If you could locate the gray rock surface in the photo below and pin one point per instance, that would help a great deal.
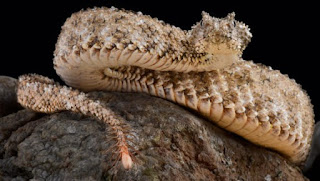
(312, 165)
(173, 144)
(8, 100)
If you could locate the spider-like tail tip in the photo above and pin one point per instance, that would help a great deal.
(126, 160)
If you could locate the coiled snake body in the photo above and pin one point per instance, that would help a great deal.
(118, 50)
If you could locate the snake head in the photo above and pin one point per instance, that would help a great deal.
(221, 39)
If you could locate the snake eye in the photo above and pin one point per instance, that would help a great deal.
(201, 23)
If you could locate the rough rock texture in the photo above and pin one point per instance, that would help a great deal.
(8, 98)
(312, 165)
(173, 144)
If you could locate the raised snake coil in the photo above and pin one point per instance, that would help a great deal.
(117, 50)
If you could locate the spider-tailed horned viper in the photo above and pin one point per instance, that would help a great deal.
(202, 69)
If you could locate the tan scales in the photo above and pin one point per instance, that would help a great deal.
(117, 50)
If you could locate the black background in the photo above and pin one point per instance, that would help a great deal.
(285, 35)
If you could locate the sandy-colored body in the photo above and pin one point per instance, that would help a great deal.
(202, 69)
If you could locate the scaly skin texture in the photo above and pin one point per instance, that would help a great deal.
(211, 44)
(117, 50)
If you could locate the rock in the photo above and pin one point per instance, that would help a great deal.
(8, 98)
(173, 144)
(312, 165)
